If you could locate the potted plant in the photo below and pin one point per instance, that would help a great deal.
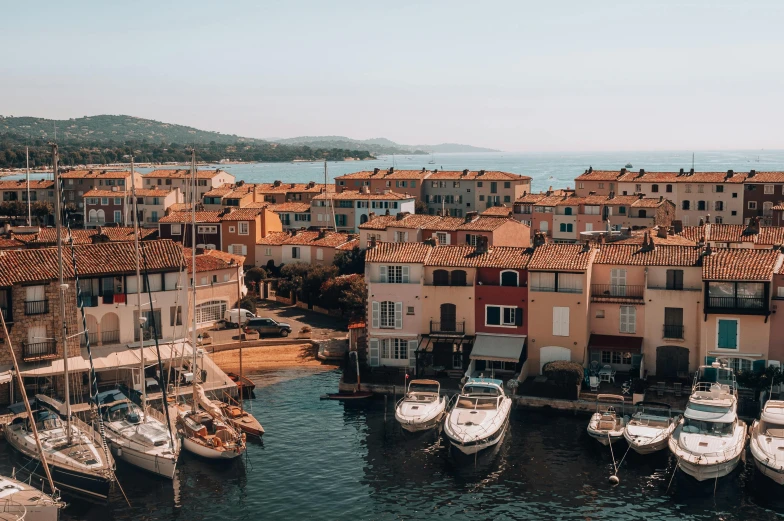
(638, 390)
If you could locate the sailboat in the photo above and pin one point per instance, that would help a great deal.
(432, 160)
(74, 452)
(202, 427)
(138, 435)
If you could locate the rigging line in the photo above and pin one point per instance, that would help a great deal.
(157, 346)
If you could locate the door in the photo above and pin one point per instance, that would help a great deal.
(672, 361)
(448, 317)
(617, 282)
(553, 353)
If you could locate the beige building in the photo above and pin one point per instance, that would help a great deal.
(460, 192)
(169, 179)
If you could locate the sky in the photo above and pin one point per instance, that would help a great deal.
(529, 76)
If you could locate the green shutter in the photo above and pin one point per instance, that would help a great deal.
(759, 366)
(728, 334)
(709, 360)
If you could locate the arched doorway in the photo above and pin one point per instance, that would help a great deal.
(553, 353)
(672, 361)
(110, 328)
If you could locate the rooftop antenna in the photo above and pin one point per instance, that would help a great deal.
(27, 175)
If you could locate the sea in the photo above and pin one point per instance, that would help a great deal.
(336, 461)
(547, 169)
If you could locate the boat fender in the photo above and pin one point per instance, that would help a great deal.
(217, 443)
(119, 452)
(244, 437)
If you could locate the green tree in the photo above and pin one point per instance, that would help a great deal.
(420, 207)
(353, 299)
(247, 302)
(41, 211)
(350, 262)
(253, 277)
(316, 276)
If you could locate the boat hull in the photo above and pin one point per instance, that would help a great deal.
(603, 438)
(712, 471)
(207, 452)
(776, 474)
(32, 512)
(469, 449)
(415, 426)
(156, 464)
(647, 448)
(252, 427)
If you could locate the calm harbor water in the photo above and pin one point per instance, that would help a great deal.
(329, 460)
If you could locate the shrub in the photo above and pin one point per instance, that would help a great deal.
(563, 373)
(248, 303)
(253, 277)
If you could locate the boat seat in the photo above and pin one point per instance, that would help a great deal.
(607, 425)
(776, 433)
(465, 404)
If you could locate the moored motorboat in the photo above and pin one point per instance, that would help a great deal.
(422, 408)
(21, 501)
(479, 417)
(710, 438)
(245, 385)
(607, 425)
(650, 427)
(767, 441)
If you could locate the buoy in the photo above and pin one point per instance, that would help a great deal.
(614, 479)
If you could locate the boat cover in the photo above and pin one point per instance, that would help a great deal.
(492, 381)
(498, 348)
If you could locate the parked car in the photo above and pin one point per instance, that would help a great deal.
(234, 318)
(267, 326)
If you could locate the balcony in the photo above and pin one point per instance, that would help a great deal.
(93, 339)
(447, 328)
(740, 305)
(39, 350)
(599, 292)
(110, 337)
(6, 314)
(36, 307)
(96, 221)
(673, 331)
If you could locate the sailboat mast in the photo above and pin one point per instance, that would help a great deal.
(63, 287)
(193, 269)
(142, 319)
(239, 320)
(27, 175)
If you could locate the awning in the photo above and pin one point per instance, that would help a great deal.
(75, 364)
(498, 348)
(113, 357)
(633, 344)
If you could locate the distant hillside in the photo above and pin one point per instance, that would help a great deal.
(379, 146)
(117, 129)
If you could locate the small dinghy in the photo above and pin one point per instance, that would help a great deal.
(422, 408)
(767, 441)
(650, 427)
(606, 425)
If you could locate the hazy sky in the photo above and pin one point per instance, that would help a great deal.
(518, 75)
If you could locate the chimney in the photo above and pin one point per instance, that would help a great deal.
(322, 233)
(691, 171)
(540, 239)
(481, 172)
(730, 173)
(481, 245)
(642, 171)
(375, 171)
(438, 212)
(611, 196)
(752, 173)
(364, 189)
(677, 225)
(753, 228)
(311, 184)
(391, 170)
(200, 251)
(623, 171)
(277, 183)
(586, 247)
(681, 172)
(661, 198)
(465, 172)
(590, 169)
(471, 216)
(402, 215)
(423, 170)
(371, 216)
(661, 232)
(435, 170)
(707, 219)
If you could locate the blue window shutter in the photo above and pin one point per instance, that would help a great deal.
(709, 360)
(759, 366)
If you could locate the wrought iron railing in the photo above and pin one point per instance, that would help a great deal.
(36, 307)
(673, 331)
(110, 337)
(617, 290)
(37, 350)
(736, 302)
(452, 327)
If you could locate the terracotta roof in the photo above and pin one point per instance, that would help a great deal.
(551, 200)
(740, 264)
(445, 224)
(488, 224)
(730, 233)
(598, 175)
(183, 173)
(498, 211)
(409, 221)
(468, 257)
(350, 245)
(399, 252)
(634, 255)
(37, 184)
(778, 207)
(39, 265)
(48, 236)
(650, 202)
(331, 240)
(357, 195)
(771, 235)
(211, 260)
(186, 217)
(765, 177)
(671, 240)
(280, 187)
(10, 243)
(385, 174)
(92, 174)
(179, 207)
(290, 207)
(561, 257)
(140, 192)
(530, 198)
(219, 191)
(274, 238)
(242, 214)
(632, 176)
(473, 175)
(693, 233)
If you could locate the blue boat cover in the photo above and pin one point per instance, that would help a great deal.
(485, 381)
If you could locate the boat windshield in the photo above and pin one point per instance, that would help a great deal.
(709, 428)
(477, 402)
(481, 390)
(47, 420)
(774, 430)
(422, 388)
(124, 411)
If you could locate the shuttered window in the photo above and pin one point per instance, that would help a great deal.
(728, 334)
(628, 319)
(560, 321)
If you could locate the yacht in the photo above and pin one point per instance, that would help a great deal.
(205, 432)
(138, 437)
(422, 408)
(767, 441)
(606, 425)
(709, 439)
(478, 419)
(650, 427)
(21, 501)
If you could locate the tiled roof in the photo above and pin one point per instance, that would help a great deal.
(242, 214)
(179, 207)
(498, 211)
(357, 195)
(91, 174)
(219, 191)
(740, 264)
(686, 177)
(409, 221)
(274, 238)
(47, 236)
(598, 175)
(771, 235)
(183, 173)
(635, 255)
(530, 198)
(140, 192)
(650, 202)
(331, 240)
(350, 245)
(186, 217)
(487, 224)
(445, 224)
(731, 233)
(39, 265)
(402, 252)
(473, 175)
(279, 187)
(765, 177)
(290, 207)
(552, 200)
(671, 240)
(385, 174)
(10, 243)
(211, 260)
(468, 257)
(693, 233)
(561, 257)
(37, 184)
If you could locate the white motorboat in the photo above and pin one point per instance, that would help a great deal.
(422, 408)
(710, 438)
(767, 441)
(480, 415)
(138, 437)
(606, 425)
(650, 427)
(21, 501)
(205, 432)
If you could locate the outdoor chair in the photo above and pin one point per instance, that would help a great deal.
(594, 383)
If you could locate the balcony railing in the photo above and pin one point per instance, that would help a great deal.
(739, 303)
(36, 307)
(96, 221)
(5, 313)
(39, 350)
(673, 331)
(452, 328)
(617, 291)
(110, 337)
(93, 339)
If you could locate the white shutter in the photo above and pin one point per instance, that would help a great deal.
(382, 272)
(565, 321)
(35, 293)
(556, 321)
(405, 274)
(405, 236)
(244, 249)
(375, 312)
(412, 347)
(171, 280)
(560, 321)
(374, 354)
(130, 285)
(398, 315)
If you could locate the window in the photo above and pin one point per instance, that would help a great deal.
(441, 278)
(207, 229)
(688, 189)
(268, 252)
(668, 188)
(701, 205)
(394, 274)
(642, 214)
(442, 237)
(458, 278)
(118, 201)
(471, 239)
(566, 227)
(388, 314)
(232, 229)
(509, 278)
(675, 279)
(481, 197)
(507, 199)
(176, 229)
(628, 319)
(479, 184)
(741, 364)
(507, 184)
(601, 185)
(700, 188)
(394, 348)
(401, 236)
(673, 323)
(686, 204)
(319, 254)
(542, 281)
(568, 210)
(243, 228)
(638, 188)
(117, 216)
(152, 326)
(455, 184)
(560, 321)
(238, 249)
(295, 252)
(768, 189)
(503, 316)
(599, 313)
(409, 310)
(767, 208)
(621, 210)
(569, 283)
(175, 316)
(727, 333)
(734, 196)
(493, 187)
(592, 210)
(654, 188)
(340, 220)
(718, 206)
(752, 205)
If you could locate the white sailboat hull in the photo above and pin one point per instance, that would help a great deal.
(206, 452)
(157, 464)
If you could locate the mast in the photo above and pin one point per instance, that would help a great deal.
(329, 198)
(239, 320)
(63, 287)
(27, 175)
(193, 269)
(142, 320)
